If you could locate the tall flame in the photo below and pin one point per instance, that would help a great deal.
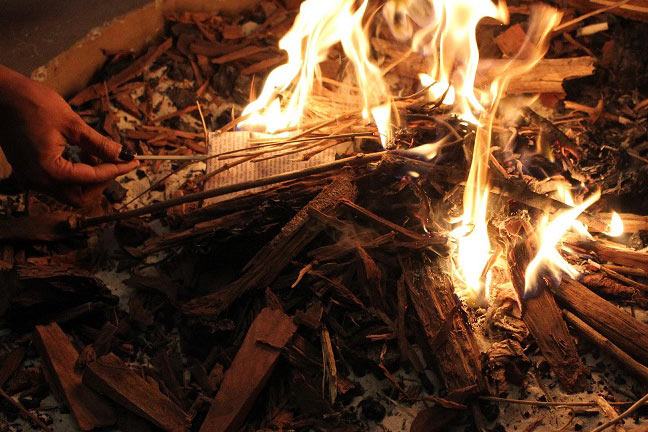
(473, 248)
(318, 27)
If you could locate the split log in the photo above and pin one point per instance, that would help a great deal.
(113, 378)
(631, 222)
(449, 335)
(625, 257)
(266, 265)
(59, 357)
(606, 345)
(546, 76)
(254, 362)
(547, 325)
(612, 322)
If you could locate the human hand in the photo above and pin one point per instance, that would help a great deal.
(36, 125)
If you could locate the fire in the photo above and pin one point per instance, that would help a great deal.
(448, 37)
(444, 31)
(473, 248)
(319, 26)
(615, 228)
(548, 263)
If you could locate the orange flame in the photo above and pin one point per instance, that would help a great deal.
(318, 27)
(473, 245)
(548, 263)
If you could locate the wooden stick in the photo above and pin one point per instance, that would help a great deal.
(360, 159)
(612, 322)
(172, 157)
(541, 403)
(606, 345)
(623, 415)
(23, 412)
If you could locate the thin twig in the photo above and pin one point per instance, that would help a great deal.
(623, 415)
(589, 14)
(26, 414)
(541, 403)
(360, 159)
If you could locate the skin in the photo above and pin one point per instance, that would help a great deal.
(36, 126)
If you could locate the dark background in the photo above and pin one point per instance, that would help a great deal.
(34, 31)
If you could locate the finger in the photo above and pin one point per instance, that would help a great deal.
(64, 171)
(89, 159)
(101, 146)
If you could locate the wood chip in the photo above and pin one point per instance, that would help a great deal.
(59, 358)
(254, 362)
(113, 378)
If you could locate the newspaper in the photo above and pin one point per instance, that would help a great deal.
(225, 142)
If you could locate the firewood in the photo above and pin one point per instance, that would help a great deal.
(266, 265)
(546, 76)
(254, 362)
(113, 378)
(448, 334)
(631, 222)
(59, 358)
(622, 256)
(604, 343)
(617, 325)
(547, 325)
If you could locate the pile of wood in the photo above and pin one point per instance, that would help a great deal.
(328, 300)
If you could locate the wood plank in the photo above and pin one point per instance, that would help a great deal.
(612, 322)
(59, 357)
(10, 364)
(266, 265)
(250, 371)
(110, 376)
(546, 323)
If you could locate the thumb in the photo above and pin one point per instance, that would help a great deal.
(102, 147)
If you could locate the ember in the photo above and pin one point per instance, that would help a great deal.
(350, 215)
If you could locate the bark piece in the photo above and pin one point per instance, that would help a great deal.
(449, 335)
(59, 357)
(268, 335)
(547, 325)
(266, 265)
(612, 322)
(110, 376)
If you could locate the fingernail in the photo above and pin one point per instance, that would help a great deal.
(126, 154)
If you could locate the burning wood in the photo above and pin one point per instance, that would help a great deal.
(404, 260)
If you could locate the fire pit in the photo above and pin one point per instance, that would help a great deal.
(351, 215)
